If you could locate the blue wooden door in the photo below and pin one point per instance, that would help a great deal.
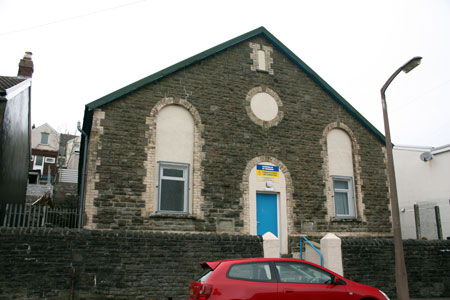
(267, 214)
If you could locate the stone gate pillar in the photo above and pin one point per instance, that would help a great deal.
(330, 246)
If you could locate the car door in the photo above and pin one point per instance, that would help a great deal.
(299, 280)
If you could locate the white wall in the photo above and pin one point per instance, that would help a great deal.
(422, 183)
(73, 152)
(340, 160)
(53, 139)
(175, 135)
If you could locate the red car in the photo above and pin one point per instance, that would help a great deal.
(275, 279)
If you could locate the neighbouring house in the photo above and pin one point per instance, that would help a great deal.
(72, 156)
(69, 155)
(422, 175)
(241, 138)
(15, 114)
(44, 151)
(62, 155)
(54, 167)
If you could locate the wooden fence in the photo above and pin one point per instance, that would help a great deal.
(20, 215)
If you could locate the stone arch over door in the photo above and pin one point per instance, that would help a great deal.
(284, 190)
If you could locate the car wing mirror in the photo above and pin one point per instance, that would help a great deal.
(338, 281)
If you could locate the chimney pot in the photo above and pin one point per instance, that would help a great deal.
(26, 66)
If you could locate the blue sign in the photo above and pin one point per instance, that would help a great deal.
(268, 168)
(268, 171)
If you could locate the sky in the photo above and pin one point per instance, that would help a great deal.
(85, 49)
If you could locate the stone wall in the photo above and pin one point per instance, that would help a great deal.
(121, 171)
(82, 264)
(65, 195)
(372, 262)
(55, 264)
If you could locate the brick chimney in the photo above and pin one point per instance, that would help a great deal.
(26, 66)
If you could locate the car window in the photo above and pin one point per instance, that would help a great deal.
(296, 272)
(203, 275)
(259, 271)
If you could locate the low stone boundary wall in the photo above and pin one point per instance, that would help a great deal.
(372, 262)
(52, 263)
(42, 263)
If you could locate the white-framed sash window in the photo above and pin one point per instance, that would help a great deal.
(343, 195)
(173, 187)
(50, 160)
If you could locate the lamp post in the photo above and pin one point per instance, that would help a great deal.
(401, 277)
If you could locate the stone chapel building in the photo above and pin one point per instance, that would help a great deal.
(241, 138)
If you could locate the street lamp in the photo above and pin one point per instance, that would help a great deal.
(401, 276)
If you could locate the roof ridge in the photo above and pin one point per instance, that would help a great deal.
(202, 55)
(173, 68)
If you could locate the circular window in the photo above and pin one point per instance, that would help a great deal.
(263, 106)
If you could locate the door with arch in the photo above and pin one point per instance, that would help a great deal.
(267, 213)
(265, 206)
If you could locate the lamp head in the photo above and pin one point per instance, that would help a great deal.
(414, 62)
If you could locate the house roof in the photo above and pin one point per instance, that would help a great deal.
(7, 82)
(205, 54)
(46, 126)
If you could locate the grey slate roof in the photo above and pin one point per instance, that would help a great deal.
(7, 82)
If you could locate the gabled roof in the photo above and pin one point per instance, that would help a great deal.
(201, 56)
(9, 85)
(47, 126)
(7, 82)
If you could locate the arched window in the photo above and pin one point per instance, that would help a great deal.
(174, 159)
(340, 167)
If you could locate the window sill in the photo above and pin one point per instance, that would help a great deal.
(346, 220)
(165, 215)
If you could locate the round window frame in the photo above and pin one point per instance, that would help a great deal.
(248, 100)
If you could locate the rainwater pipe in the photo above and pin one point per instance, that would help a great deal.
(83, 176)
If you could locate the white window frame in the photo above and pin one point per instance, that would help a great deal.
(174, 166)
(50, 160)
(350, 197)
(36, 162)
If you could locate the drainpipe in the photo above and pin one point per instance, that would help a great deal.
(83, 176)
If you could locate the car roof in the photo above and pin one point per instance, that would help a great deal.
(213, 264)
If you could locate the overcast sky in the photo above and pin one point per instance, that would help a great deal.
(85, 49)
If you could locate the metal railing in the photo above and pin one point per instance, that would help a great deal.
(312, 246)
(20, 215)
